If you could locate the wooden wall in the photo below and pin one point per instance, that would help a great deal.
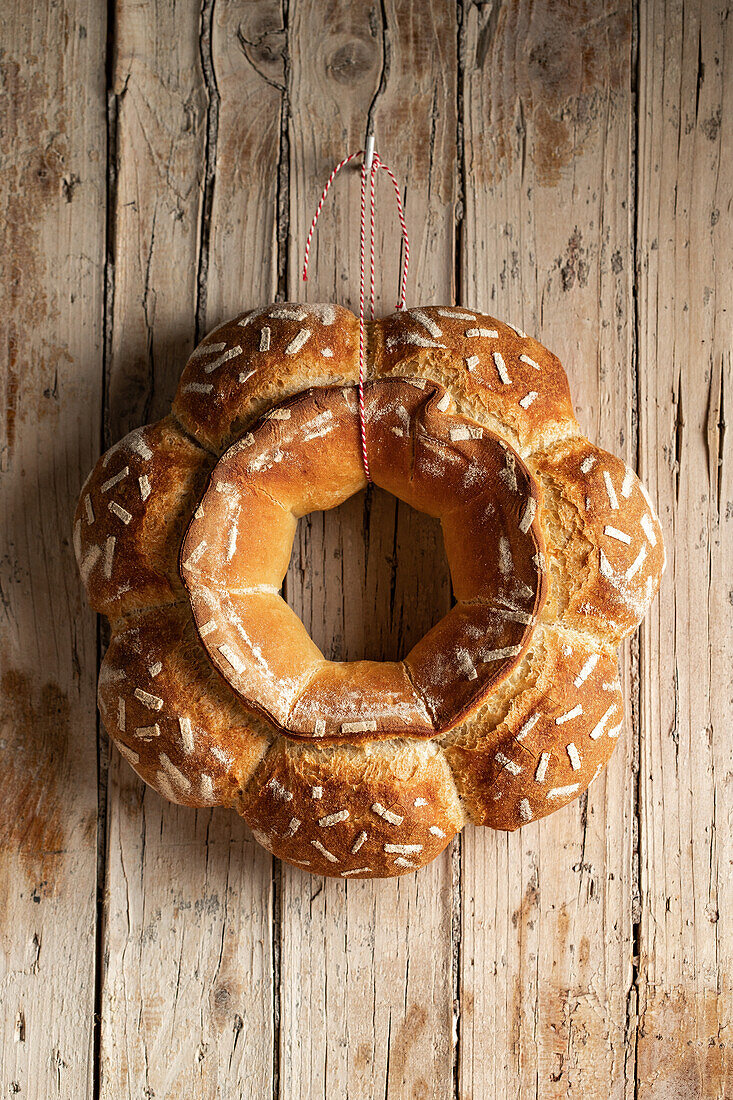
(568, 166)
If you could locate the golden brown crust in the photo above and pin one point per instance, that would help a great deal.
(604, 543)
(368, 811)
(131, 516)
(305, 454)
(560, 730)
(555, 554)
(247, 364)
(172, 716)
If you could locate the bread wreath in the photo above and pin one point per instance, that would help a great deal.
(211, 687)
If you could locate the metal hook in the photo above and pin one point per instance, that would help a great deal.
(369, 153)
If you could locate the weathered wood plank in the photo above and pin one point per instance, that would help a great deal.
(546, 948)
(686, 381)
(52, 190)
(187, 1001)
(367, 997)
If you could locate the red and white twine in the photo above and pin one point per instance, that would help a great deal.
(368, 177)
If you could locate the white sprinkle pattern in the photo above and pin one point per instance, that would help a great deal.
(360, 840)
(487, 333)
(501, 368)
(265, 339)
(507, 764)
(298, 342)
(391, 818)
(586, 670)
(541, 771)
(233, 659)
(107, 485)
(563, 792)
(402, 849)
(528, 515)
(610, 491)
(569, 715)
(231, 353)
(333, 819)
(525, 810)
(184, 725)
(648, 528)
(120, 512)
(530, 362)
(614, 533)
(528, 398)
(324, 851)
(574, 755)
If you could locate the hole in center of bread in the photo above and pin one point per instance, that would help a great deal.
(369, 578)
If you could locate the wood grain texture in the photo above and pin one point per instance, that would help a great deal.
(547, 911)
(52, 193)
(187, 1001)
(565, 166)
(686, 382)
(370, 578)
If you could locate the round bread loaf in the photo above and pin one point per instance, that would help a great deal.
(211, 687)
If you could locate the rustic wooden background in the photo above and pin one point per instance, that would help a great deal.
(567, 165)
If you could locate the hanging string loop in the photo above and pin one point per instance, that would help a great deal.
(371, 164)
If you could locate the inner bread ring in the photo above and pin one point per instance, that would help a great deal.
(305, 456)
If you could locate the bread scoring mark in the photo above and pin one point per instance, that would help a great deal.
(486, 333)
(487, 655)
(333, 819)
(279, 790)
(508, 765)
(186, 731)
(265, 339)
(325, 852)
(574, 755)
(174, 773)
(466, 665)
(298, 342)
(562, 792)
(520, 334)
(231, 545)
(316, 792)
(614, 533)
(628, 483)
(121, 513)
(207, 349)
(437, 832)
(288, 313)
(568, 716)
(137, 444)
(390, 817)
(506, 565)
(444, 402)
(636, 564)
(525, 810)
(195, 556)
(412, 338)
(109, 554)
(530, 362)
(528, 514)
(198, 387)
(366, 726)
(610, 491)
(147, 733)
(232, 658)
(144, 483)
(528, 725)
(120, 714)
(231, 353)
(207, 628)
(155, 668)
(153, 702)
(279, 414)
(360, 840)
(88, 562)
(456, 314)
(648, 529)
(586, 670)
(403, 849)
(528, 398)
(501, 367)
(112, 481)
(541, 772)
(514, 615)
(466, 431)
(128, 753)
(472, 361)
(587, 464)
